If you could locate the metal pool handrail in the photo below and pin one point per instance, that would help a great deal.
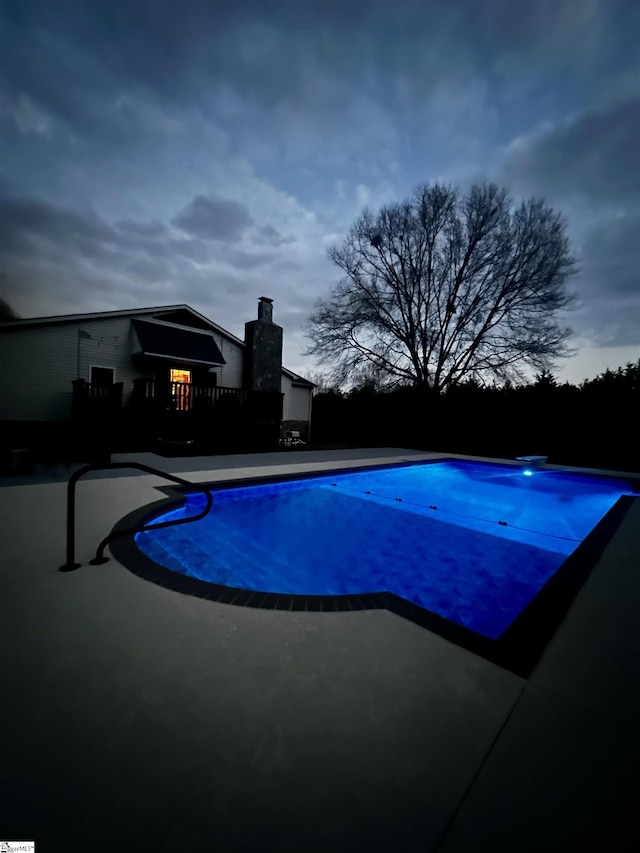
(99, 559)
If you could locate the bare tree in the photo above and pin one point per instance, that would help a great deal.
(322, 382)
(446, 287)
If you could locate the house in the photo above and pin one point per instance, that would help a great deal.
(149, 375)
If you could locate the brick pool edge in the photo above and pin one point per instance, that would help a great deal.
(517, 650)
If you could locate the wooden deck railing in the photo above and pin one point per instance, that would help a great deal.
(157, 398)
(89, 397)
(183, 396)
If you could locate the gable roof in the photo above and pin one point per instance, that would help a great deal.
(298, 380)
(160, 312)
(204, 322)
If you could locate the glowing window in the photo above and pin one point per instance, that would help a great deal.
(178, 374)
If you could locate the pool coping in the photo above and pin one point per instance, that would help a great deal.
(519, 647)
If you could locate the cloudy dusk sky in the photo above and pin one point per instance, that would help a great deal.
(209, 152)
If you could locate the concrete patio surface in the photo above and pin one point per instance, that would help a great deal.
(136, 718)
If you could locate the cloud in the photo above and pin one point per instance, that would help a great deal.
(609, 289)
(213, 219)
(587, 165)
(269, 234)
(604, 323)
(314, 57)
(143, 229)
(593, 156)
(28, 224)
(204, 150)
(347, 87)
(612, 254)
(57, 259)
(40, 232)
(240, 259)
(26, 117)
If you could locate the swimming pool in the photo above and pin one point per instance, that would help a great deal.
(472, 543)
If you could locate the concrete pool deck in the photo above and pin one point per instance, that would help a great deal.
(137, 718)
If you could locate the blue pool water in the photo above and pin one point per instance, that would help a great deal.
(472, 542)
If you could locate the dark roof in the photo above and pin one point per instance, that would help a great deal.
(174, 313)
(298, 380)
(91, 315)
(186, 345)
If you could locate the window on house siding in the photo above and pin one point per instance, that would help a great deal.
(177, 374)
(180, 388)
(103, 376)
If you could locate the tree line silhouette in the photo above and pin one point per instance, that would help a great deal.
(594, 424)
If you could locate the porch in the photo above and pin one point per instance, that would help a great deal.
(151, 393)
(95, 398)
(185, 396)
(166, 411)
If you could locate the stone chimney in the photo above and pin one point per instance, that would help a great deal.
(263, 350)
(265, 309)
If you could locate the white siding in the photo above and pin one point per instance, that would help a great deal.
(300, 404)
(40, 364)
(36, 364)
(285, 387)
(296, 405)
(229, 374)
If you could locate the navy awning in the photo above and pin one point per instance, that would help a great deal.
(184, 345)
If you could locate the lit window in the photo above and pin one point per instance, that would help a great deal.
(178, 374)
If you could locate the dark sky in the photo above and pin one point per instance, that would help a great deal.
(206, 152)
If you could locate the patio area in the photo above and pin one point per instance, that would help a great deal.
(137, 718)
